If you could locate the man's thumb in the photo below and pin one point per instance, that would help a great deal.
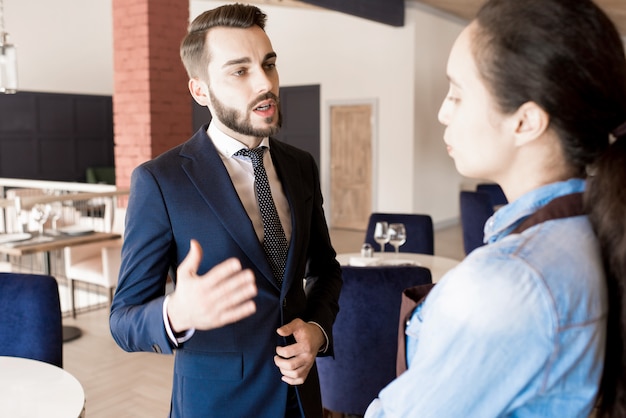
(285, 330)
(189, 266)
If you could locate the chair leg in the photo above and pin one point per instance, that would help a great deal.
(72, 301)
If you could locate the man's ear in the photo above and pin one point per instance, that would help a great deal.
(531, 123)
(199, 91)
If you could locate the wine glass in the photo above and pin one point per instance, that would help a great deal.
(397, 236)
(56, 209)
(381, 234)
(23, 218)
(40, 213)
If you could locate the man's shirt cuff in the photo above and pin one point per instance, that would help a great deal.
(180, 337)
(325, 346)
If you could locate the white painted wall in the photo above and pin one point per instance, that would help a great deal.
(63, 46)
(66, 46)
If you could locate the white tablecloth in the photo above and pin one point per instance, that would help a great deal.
(437, 265)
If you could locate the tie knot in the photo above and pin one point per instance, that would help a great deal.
(255, 154)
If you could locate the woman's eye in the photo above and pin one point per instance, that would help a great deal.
(452, 98)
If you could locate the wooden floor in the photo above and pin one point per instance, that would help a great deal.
(127, 385)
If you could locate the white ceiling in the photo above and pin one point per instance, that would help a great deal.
(466, 9)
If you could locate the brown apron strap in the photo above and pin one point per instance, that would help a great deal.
(411, 297)
(560, 207)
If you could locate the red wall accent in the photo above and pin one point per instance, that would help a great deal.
(151, 103)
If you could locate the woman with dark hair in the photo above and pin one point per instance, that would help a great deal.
(530, 324)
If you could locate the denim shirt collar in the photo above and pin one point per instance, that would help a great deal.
(508, 217)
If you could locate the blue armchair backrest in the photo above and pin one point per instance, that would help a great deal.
(365, 335)
(30, 318)
(476, 208)
(419, 232)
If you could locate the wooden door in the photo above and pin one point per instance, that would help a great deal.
(351, 133)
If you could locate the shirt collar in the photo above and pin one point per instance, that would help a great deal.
(227, 145)
(508, 217)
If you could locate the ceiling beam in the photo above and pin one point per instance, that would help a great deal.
(466, 9)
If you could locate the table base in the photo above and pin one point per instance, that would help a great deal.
(71, 333)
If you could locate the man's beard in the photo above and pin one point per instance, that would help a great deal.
(234, 120)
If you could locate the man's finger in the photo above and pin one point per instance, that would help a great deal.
(225, 269)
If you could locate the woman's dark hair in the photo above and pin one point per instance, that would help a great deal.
(567, 57)
(193, 51)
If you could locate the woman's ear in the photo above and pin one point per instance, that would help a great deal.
(531, 123)
(199, 91)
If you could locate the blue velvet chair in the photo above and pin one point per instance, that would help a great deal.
(419, 232)
(365, 335)
(476, 208)
(495, 192)
(30, 318)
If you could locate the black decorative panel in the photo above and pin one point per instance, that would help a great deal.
(17, 113)
(19, 157)
(390, 12)
(57, 156)
(56, 114)
(50, 136)
(93, 115)
(300, 107)
(91, 152)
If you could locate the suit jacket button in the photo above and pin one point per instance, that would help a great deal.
(285, 303)
(156, 348)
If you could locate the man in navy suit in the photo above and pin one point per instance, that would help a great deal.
(245, 342)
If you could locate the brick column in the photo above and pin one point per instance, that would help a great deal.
(151, 103)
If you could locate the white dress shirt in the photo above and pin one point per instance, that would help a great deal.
(242, 175)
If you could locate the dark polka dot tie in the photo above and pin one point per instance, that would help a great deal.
(274, 240)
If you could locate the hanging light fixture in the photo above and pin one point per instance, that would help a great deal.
(8, 59)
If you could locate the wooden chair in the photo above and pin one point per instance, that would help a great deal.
(97, 263)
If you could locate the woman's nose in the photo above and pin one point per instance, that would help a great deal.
(444, 113)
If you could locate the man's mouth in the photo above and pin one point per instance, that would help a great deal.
(263, 108)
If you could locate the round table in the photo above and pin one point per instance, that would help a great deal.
(31, 388)
(437, 265)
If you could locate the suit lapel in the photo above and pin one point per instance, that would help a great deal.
(207, 172)
(288, 171)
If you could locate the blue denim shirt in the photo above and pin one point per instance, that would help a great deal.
(515, 330)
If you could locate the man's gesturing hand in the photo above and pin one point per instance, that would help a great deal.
(221, 296)
(295, 360)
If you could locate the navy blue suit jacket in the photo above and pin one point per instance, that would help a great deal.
(187, 193)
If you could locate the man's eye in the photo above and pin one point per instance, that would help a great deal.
(239, 73)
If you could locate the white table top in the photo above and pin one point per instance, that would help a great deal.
(34, 389)
(437, 265)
